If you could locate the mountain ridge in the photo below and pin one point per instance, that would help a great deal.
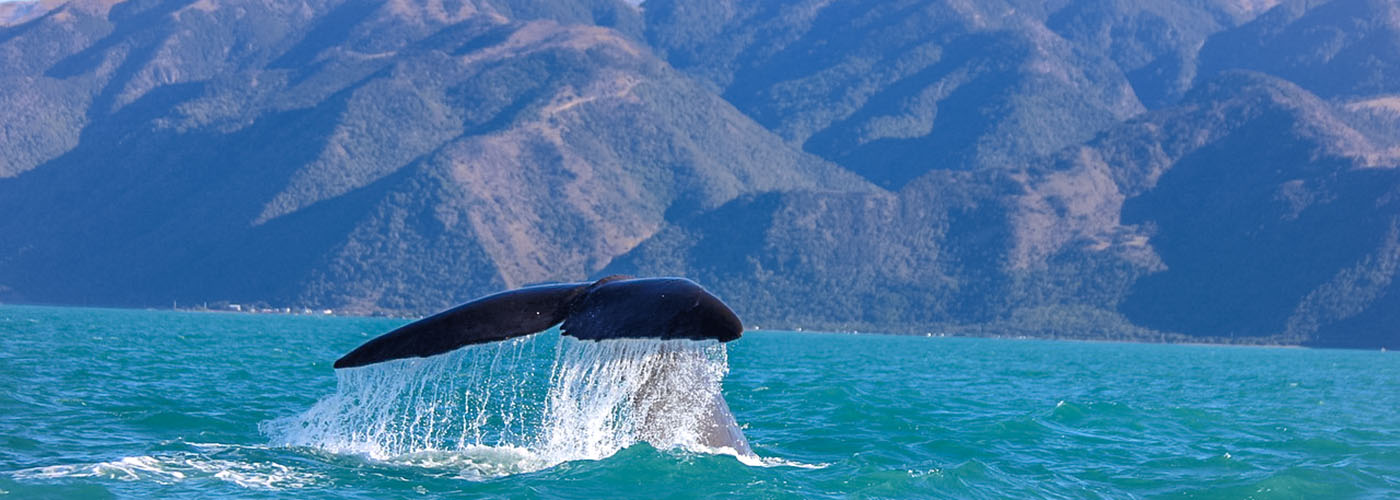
(1107, 170)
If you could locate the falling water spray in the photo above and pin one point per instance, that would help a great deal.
(541, 399)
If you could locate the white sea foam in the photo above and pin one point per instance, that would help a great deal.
(179, 467)
(504, 408)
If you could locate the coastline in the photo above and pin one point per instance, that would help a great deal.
(981, 331)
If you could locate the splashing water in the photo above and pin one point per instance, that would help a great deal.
(606, 395)
(503, 408)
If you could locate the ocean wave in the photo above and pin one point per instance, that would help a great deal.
(180, 467)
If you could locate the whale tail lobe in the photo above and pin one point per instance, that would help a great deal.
(488, 319)
(613, 307)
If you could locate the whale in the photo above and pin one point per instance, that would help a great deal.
(609, 309)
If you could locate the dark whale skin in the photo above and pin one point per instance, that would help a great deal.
(659, 308)
(611, 308)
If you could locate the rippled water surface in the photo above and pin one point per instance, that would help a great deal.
(98, 403)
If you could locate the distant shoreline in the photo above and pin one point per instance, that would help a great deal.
(1173, 339)
(1048, 339)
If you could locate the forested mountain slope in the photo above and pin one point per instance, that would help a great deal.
(1217, 170)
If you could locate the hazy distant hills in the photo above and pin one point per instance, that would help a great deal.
(1192, 169)
(467, 153)
(877, 85)
(1335, 49)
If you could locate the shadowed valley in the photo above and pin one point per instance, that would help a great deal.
(1182, 170)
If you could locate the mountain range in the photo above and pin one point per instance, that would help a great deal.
(1167, 170)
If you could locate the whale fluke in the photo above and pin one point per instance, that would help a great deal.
(488, 319)
(658, 308)
(613, 307)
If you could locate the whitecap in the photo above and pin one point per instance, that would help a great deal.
(179, 467)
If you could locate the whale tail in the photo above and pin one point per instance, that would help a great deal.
(613, 307)
(488, 319)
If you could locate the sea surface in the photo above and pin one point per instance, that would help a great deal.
(101, 403)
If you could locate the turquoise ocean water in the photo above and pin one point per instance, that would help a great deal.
(116, 403)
